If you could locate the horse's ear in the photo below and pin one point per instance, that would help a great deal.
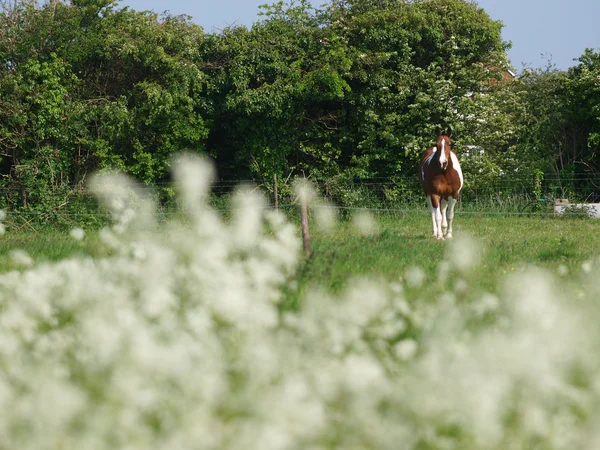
(439, 131)
(449, 132)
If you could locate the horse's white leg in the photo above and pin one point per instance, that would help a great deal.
(438, 219)
(443, 206)
(436, 216)
(433, 219)
(451, 203)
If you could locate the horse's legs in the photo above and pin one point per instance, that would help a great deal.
(432, 211)
(436, 216)
(444, 205)
(451, 203)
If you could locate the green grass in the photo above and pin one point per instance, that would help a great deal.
(403, 242)
(508, 244)
(47, 244)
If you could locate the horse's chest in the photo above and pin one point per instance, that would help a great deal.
(442, 185)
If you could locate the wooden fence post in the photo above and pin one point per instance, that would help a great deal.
(304, 217)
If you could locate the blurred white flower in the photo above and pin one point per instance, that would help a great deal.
(305, 190)
(406, 349)
(109, 239)
(246, 223)
(444, 269)
(461, 286)
(363, 373)
(21, 258)
(326, 216)
(177, 339)
(365, 223)
(487, 303)
(77, 233)
(464, 253)
(194, 176)
(415, 276)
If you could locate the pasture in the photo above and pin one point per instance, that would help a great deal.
(223, 329)
(507, 243)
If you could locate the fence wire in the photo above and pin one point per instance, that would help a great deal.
(390, 195)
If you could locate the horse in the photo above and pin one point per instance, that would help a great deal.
(441, 177)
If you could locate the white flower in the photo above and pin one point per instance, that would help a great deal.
(487, 303)
(406, 349)
(464, 253)
(415, 276)
(77, 233)
(326, 215)
(21, 258)
(365, 223)
(362, 373)
(178, 337)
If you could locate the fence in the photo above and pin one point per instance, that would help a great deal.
(394, 195)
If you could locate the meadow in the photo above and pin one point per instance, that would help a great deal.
(402, 241)
(398, 243)
(213, 333)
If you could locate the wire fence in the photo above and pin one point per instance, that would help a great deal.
(385, 195)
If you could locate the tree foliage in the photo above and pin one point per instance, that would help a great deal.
(354, 89)
(86, 85)
(562, 125)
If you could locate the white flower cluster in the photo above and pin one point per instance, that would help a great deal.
(178, 341)
(2, 219)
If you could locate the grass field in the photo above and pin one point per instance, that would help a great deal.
(505, 243)
(221, 329)
(402, 241)
(45, 245)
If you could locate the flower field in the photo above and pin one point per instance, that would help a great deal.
(207, 333)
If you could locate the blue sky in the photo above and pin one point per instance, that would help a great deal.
(540, 30)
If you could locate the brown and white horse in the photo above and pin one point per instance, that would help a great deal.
(442, 179)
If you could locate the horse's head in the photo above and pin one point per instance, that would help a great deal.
(443, 148)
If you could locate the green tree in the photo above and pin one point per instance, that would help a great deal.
(562, 125)
(413, 66)
(86, 86)
(356, 89)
